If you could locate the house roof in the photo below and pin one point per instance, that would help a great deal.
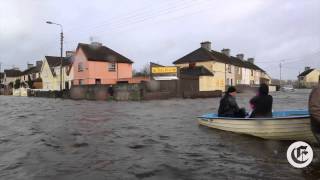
(55, 61)
(12, 72)
(34, 69)
(102, 53)
(306, 72)
(202, 55)
(195, 71)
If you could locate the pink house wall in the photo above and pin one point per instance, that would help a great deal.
(99, 70)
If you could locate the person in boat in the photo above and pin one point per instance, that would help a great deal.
(261, 104)
(314, 110)
(228, 105)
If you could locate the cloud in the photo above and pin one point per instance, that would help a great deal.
(163, 31)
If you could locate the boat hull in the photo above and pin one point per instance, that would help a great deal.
(274, 129)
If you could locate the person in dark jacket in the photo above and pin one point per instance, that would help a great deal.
(261, 104)
(314, 110)
(228, 105)
(110, 91)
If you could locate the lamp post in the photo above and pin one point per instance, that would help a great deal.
(61, 49)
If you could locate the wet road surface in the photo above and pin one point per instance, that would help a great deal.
(64, 139)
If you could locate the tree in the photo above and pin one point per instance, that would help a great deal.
(17, 84)
(145, 71)
(30, 82)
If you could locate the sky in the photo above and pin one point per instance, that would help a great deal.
(271, 31)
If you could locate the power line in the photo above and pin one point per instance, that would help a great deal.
(133, 14)
(137, 20)
(291, 60)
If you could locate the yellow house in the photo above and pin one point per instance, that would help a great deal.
(50, 73)
(226, 70)
(309, 78)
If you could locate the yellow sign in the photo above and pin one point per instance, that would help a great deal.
(164, 70)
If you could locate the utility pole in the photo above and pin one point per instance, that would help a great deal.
(280, 73)
(61, 49)
(61, 57)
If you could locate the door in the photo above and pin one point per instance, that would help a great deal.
(98, 81)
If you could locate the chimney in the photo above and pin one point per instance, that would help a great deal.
(69, 53)
(251, 60)
(39, 63)
(206, 45)
(307, 68)
(226, 52)
(240, 56)
(29, 65)
(95, 44)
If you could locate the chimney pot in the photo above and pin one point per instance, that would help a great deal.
(29, 65)
(226, 52)
(96, 44)
(69, 53)
(39, 63)
(251, 60)
(307, 68)
(240, 56)
(206, 45)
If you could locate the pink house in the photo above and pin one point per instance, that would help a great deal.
(98, 64)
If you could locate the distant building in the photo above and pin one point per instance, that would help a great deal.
(11, 75)
(32, 74)
(97, 64)
(225, 70)
(50, 72)
(309, 78)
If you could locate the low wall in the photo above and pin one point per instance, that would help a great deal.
(42, 93)
(122, 92)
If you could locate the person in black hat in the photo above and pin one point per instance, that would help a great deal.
(261, 104)
(228, 105)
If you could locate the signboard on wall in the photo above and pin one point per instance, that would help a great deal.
(164, 73)
(164, 70)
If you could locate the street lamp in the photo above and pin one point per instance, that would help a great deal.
(61, 49)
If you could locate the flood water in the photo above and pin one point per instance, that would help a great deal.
(86, 140)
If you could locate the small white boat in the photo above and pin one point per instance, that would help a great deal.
(284, 125)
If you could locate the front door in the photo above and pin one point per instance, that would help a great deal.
(98, 81)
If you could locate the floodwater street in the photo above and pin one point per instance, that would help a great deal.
(44, 138)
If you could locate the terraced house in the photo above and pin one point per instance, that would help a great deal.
(309, 78)
(50, 73)
(97, 64)
(31, 76)
(226, 70)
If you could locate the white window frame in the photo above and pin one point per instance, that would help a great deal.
(112, 66)
(80, 67)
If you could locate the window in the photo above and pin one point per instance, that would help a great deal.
(81, 82)
(112, 66)
(239, 70)
(251, 72)
(229, 68)
(34, 76)
(80, 67)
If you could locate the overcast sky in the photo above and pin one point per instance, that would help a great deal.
(163, 31)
